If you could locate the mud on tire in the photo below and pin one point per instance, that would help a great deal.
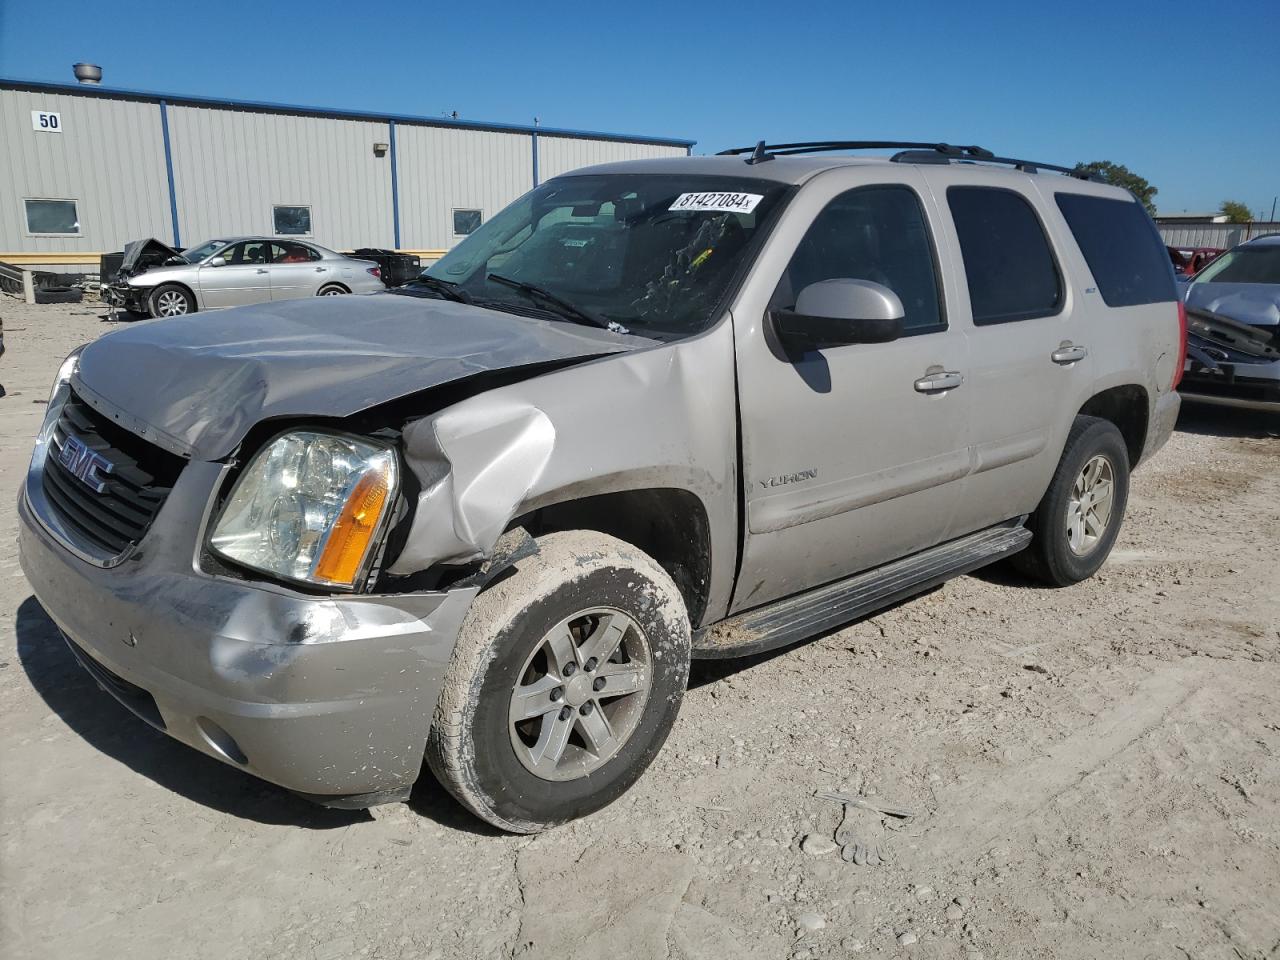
(503, 643)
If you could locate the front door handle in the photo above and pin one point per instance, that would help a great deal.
(939, 381)
(1068, 353)
(320, 269)
(261, 271)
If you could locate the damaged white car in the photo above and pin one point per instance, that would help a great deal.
(692, 407)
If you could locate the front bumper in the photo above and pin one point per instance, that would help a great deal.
(125, 296)
(331, 697)
(1247, 386)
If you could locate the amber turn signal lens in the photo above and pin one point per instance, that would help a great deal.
(348, 542)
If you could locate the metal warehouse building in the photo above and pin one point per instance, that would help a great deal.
(87, 168)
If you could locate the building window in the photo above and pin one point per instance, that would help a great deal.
(52, 217)
(291, 221)
(466, 222)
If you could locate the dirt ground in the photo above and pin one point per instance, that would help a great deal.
(1091, 772)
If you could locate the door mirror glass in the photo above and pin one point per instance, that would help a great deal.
(218, 261)
(832, 313)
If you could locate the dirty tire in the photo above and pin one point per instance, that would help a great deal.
(164, 301)
(470, 747)
(1050, 558)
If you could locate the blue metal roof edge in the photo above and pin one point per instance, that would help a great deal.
(94, 90)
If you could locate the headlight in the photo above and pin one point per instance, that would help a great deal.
(65, 372)
(309, 507)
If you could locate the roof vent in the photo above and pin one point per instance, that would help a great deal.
(87, 72)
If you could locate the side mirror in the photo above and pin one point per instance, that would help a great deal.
(832, 313)
(218, 262)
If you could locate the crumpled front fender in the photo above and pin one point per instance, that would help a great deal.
(476, 462)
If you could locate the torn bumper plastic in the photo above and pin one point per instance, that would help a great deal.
(331, 697)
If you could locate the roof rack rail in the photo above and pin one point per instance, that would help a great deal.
(763, 151)
(908, 152)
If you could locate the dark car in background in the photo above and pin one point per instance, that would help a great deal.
(1233, 328)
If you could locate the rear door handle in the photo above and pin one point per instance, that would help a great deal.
(262, 271)
(320, 269)
(1068, 353)
(938, 381)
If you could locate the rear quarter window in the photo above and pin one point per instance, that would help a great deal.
(1124, 251)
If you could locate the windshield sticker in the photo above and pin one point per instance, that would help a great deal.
(717, 202)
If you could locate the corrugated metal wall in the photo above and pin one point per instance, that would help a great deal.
(231, 166)
(116, 201)
(442, 170)
(1213, 234)
(557, 155)
(232, 163)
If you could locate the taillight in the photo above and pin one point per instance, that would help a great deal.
(1182, 346)
(377, 272)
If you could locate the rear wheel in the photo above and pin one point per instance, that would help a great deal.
(565, 680)
(332, 290)
(1078, 520)
(170, 300)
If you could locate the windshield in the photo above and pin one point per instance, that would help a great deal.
(196, 254)
(655, 253)
(1260, 264)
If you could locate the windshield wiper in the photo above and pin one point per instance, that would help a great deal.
(446, 288)
(563, 307)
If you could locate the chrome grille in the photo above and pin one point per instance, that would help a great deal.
(114, 505)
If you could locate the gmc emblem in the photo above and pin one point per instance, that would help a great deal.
(85, 465)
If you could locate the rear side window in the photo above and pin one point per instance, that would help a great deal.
(1125, 253)
(1010, 268)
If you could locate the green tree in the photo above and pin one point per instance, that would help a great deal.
(1118, 175)
(1235, 212)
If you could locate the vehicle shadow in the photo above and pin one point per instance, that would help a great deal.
(104, 724)
(1208, 420)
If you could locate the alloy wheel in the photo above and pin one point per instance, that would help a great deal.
(581, 694)
(171, 303)
(1089, 509)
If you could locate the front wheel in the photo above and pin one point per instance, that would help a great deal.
(565, 680)
(171, 300)
(1077, 521)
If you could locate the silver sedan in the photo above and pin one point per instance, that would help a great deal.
(241, 270)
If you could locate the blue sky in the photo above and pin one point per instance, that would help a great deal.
(1185, 93)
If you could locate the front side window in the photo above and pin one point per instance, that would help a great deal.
(466, 222)
(1257, 263)
(291, 221)
(58, 217)
(1122, 247)
(292, 253)
(877, 234)
(247, 253)
(1010, 268)
(656, 253)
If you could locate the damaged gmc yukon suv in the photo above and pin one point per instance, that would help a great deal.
(654, 410)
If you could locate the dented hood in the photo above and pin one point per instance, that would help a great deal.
(197, 384)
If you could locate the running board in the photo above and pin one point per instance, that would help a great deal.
(806, 615)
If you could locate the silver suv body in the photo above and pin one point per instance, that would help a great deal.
(702, 406)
